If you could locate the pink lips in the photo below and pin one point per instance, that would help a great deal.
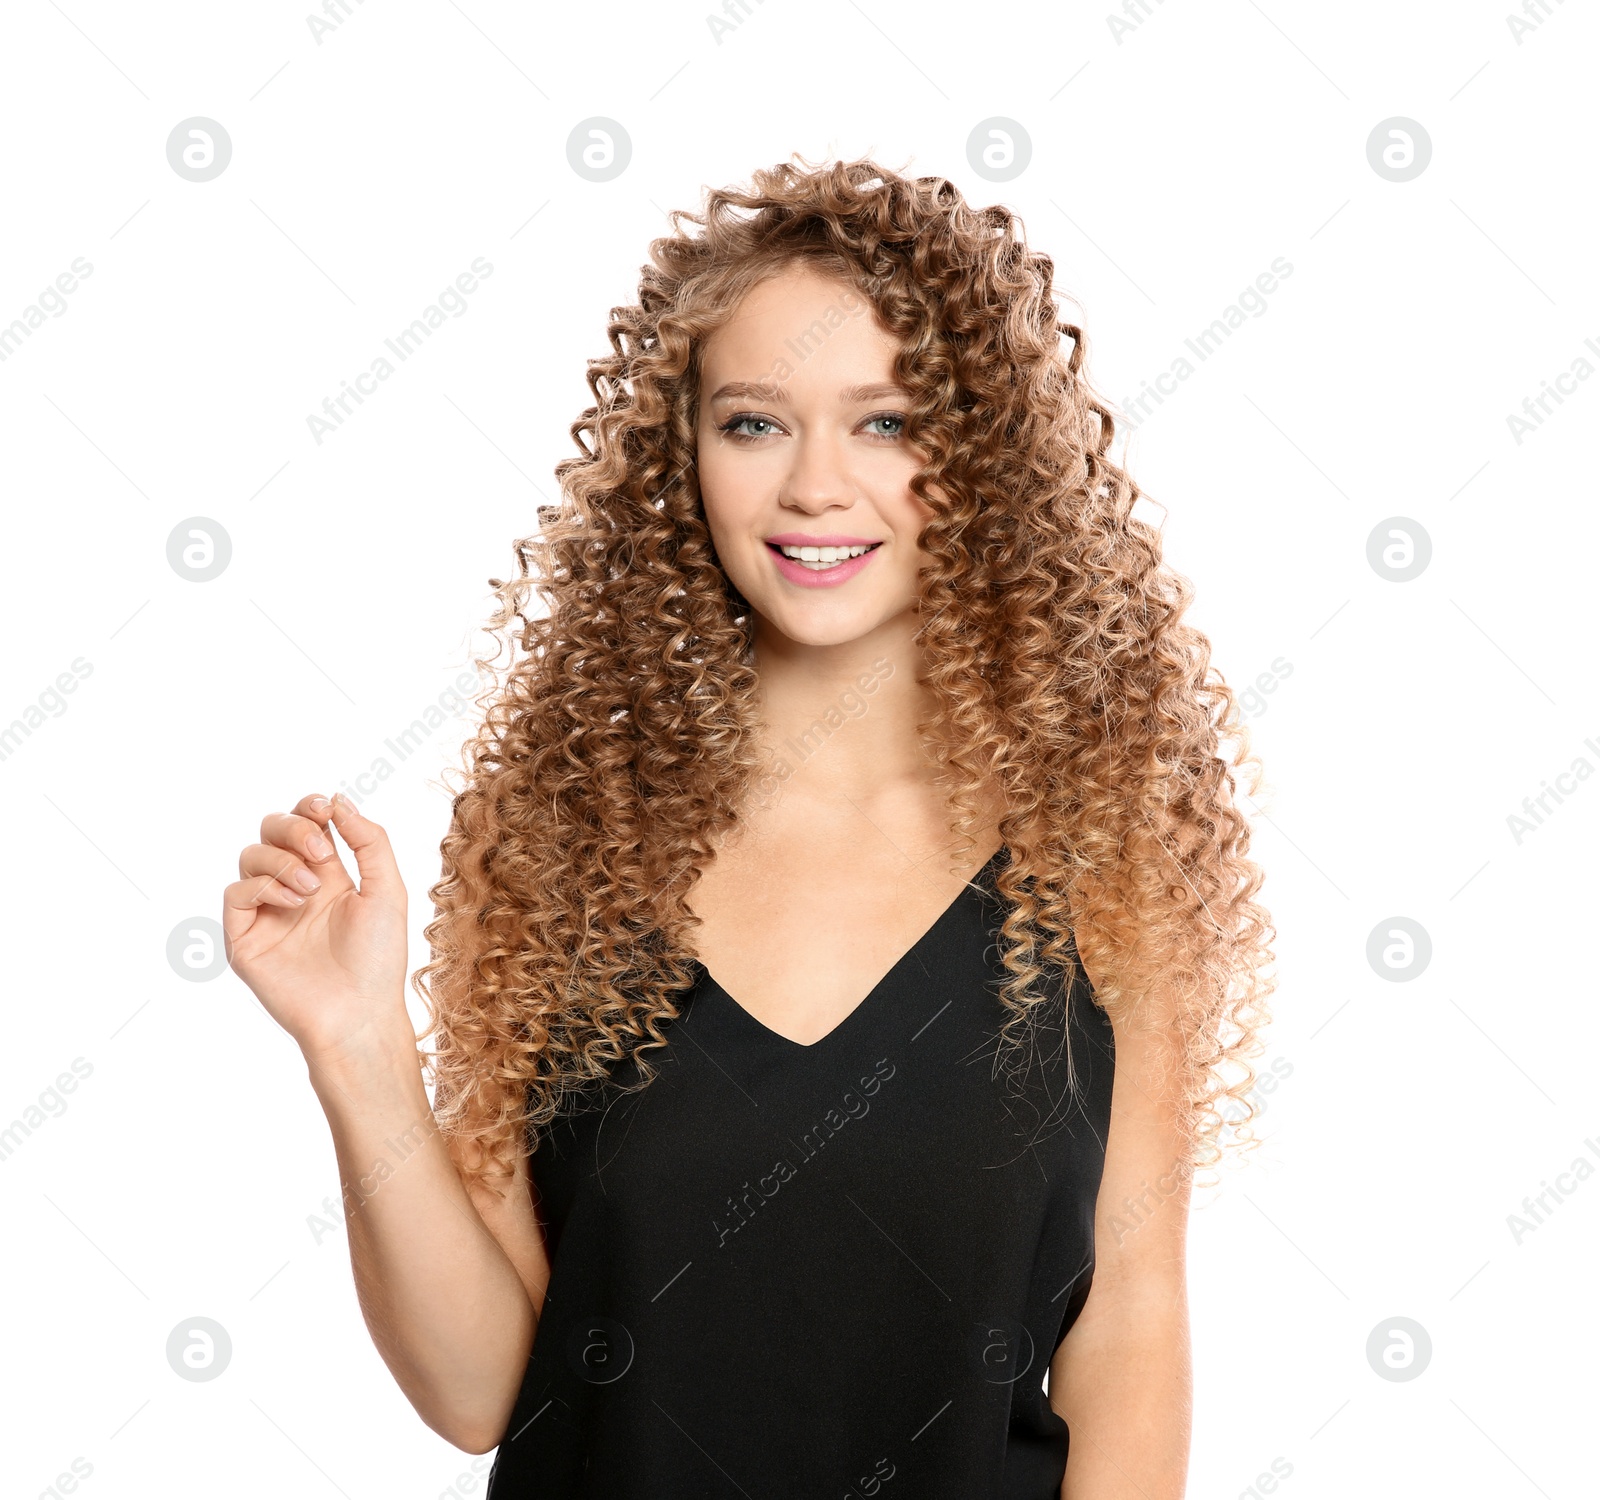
(813, 579)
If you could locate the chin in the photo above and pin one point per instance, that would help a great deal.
(820, 627)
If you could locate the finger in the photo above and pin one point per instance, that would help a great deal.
(244, 898)
(304, 834)
(269, 859)
(380, 875)
(315, 807)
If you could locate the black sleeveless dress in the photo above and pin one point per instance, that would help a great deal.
(821, 1271)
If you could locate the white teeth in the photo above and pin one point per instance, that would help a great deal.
(828, 556)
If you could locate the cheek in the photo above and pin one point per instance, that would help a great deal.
(910, 514)
(730, 483)
(731, 498)
(711, 481)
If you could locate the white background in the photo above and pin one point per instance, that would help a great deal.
(1168, 169)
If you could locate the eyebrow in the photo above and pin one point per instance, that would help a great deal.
(746, 389)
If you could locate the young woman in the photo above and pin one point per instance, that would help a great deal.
(845, 929)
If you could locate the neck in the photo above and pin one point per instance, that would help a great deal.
(842, 716)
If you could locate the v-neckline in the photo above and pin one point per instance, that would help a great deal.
(862, 1005)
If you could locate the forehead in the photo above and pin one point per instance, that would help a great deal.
(799, 327)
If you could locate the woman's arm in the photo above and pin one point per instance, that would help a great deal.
(450, 1283)
(1121, 1379)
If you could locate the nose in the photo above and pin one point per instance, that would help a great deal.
(819, 476)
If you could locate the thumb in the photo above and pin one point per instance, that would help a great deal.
(380, 875)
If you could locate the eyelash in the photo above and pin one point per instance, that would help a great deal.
(739, 418)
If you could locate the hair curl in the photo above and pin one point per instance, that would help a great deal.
(625, 740)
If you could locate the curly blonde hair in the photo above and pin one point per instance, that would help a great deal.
(625, 741)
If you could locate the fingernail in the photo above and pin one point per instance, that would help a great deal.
(298, 900)
(344, 802)
(318, 803)
(307, 881)
(318, 847)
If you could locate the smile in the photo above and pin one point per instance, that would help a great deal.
(814, 565)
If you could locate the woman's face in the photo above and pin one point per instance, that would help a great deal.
(799, 444)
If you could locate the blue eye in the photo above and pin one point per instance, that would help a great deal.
(746, 427)
(734, 423)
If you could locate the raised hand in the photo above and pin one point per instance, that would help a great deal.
(325, 957)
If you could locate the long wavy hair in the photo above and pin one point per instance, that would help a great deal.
(625, 741)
